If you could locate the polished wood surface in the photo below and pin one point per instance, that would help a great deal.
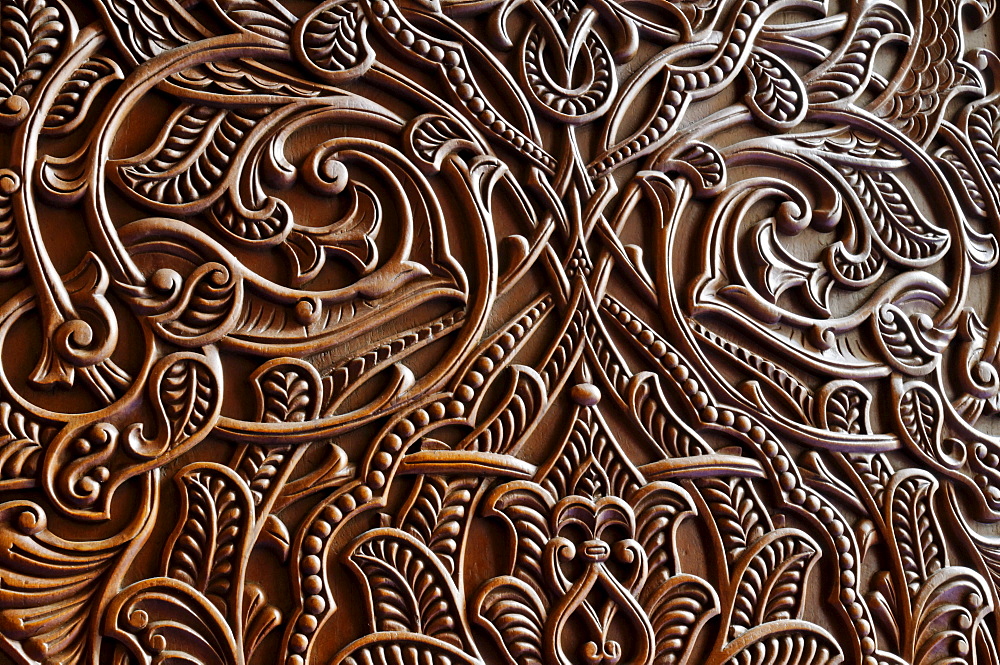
(460, 332)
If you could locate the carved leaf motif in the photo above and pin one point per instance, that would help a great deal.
(898, 227)
(876, 472)
(844, 406)
(848, 145)
(10, 249)
(654, 414)
(183, 171)
(258, 466)
(21, 443)
(984, 135)
(854, 270)
(970, 191)
(702, 164)
(259, 619)
(208, 547)
(514, 613)
(263, 222)
(770, 579)
(161, 618)
(920, 414)
(515, 417)
(433, 137)
(438, 516)
(195, 310)
(396, 649)
(849, 70)
(777, 96)
(948, 611)
(274, 535)
(258, 17)
(31, 33)
(679, 609)
(78, 95)
(794, 643)
(187, 393)
(142, 30)
(288, 390)
(737, 513)
(332, 41)
(409, 589)
(525, 508)
(916, 536)
(289, 398)
(660, 507)
(591, 462)
(253, 87)
(904, 349)
(886, 605)
(50, 588)
(988, 549)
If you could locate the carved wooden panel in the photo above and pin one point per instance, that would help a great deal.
(448, 332)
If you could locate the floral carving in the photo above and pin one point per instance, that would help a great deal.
(473, 331)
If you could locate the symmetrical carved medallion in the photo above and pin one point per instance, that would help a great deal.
(468, 332)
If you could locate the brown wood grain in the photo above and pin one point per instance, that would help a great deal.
(468, 332)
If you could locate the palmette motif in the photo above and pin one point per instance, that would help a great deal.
(419, 332)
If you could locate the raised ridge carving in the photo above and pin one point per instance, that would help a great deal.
(562, 332)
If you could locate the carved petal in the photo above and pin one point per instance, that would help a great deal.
(771, 579)
(409, 590)
(678, 610)
(777, 96)
(788, 643)
(161, 618)
(49, 588)
(402, 649)
(208, 549)
(514, 613)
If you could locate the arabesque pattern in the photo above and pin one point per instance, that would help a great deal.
(441, 332)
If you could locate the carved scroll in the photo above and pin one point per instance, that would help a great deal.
(540, 332)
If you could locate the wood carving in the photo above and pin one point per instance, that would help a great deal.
(540, 332)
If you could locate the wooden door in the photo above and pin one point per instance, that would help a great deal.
(448, 332)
